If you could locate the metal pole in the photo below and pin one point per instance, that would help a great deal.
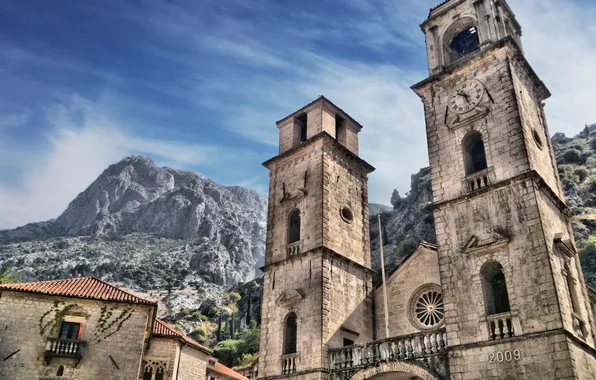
(384, 280)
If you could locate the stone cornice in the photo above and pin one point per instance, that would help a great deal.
(324, 251)
(327, 138)
(533, 174)
(457, 65)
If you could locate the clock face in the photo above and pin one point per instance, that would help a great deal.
(466, 96)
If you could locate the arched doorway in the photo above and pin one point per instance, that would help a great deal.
(395, 371)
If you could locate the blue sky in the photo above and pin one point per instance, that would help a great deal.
(199, 85)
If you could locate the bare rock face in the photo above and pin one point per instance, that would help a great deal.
(136, 220)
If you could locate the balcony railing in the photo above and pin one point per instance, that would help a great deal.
(407, 347)
(64, 348)
(294, 249)
(477, 181)
(288, 363)
(500, 326)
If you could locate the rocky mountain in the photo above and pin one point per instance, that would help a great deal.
(411, 219)
(167, 232)
(195, 245)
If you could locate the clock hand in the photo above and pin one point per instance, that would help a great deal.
(464, 95)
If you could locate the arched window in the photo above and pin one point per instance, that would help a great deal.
(294, 227)
(460, 39)
(60, 371)
(474, 154)
(465, 42)
(159, 375)
(290, 330)
(148, 374)
(496, 298)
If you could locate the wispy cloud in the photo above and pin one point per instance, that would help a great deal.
(200, 85)
(82, 140)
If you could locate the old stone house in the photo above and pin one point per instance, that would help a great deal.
(86, 329)
(501, 295)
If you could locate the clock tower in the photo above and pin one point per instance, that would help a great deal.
(516, 305)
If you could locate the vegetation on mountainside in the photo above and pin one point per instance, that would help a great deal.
(228, 324)
(576, 158)
(6, 277)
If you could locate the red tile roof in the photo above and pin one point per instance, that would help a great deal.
(223, 370)
(163, 330)
(80, 287)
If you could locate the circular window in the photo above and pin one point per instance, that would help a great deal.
(346, 214)
(427, 310)
(537, 138)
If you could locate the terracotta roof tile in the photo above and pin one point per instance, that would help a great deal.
(162, 329)
(223, 370)
(80, 287)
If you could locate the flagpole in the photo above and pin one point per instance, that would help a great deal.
(384, 280)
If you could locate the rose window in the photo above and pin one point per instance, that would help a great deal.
(427, 310)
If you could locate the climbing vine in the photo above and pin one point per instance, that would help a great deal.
(52, 319)
(110, 322)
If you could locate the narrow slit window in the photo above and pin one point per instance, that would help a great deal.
(340, 129)
(302, 123)
(294, 227)
(290, 332)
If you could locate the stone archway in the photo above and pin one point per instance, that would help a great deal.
(401, 369)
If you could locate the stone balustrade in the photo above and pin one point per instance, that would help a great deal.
(407, 347)
(289, 363)
(500, 326)
(294, 249)
(64, 348)
(477, 180)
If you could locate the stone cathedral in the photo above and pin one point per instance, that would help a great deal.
(501, 295)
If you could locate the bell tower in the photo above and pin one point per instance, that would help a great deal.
(516, 305)
(317, 291)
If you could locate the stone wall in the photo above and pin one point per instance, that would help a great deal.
(446, 20)
(347, 303)
(506, 214)
(501, 133)
(321, 117)
(345, 185)
(193, 364)
(294, 286)
(291, 171)
(421, 268)
(21, 315)
(556, 225)
(163, 350)
(540, 357)
(583, 360)
(537, 139)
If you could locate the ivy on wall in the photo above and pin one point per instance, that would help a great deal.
(52, 319)
(110, 320)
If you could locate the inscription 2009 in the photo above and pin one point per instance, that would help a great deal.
(504, 356)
